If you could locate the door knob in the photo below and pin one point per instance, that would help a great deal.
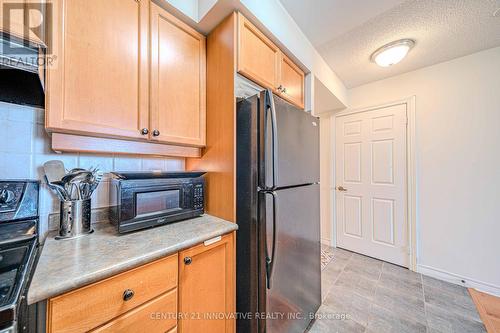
(341, 189)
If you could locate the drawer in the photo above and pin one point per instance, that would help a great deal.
(155, 316)
(91, 306)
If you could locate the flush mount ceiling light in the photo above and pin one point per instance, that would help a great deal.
(392, 53)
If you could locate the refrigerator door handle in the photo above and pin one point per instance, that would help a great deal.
(271, 259)
(274, 144)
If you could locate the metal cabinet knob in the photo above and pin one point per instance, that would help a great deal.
(280, 88)
(144, 131)
(156, 133)
(188, 260)
(283, 90)
(341, 189)
(128, 294)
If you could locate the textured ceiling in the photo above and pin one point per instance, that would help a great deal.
(443, 30)
(322, 21)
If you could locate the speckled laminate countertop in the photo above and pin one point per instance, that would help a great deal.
(65, 265)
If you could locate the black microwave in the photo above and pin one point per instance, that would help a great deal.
(147, 199)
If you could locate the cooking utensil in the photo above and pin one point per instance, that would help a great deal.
(75, 170)
(58, 186)
(95, 182)
(60, 191)
(73, 181)
(54, 170)
(76, 176)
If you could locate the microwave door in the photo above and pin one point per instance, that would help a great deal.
(158, 202)
(152, 204)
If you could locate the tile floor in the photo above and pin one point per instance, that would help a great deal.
(362, 294)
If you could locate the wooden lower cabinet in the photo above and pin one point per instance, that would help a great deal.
(86, 308)
(207, 287)
(155, 298)
(156, 316)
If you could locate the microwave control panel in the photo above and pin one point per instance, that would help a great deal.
(198, 196)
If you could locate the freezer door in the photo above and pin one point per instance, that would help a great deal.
(293, 286)
(295, 135)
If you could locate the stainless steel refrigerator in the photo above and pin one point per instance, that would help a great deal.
(278, 242)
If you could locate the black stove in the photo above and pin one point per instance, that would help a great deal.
(18, 250)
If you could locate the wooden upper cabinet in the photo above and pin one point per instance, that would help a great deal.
(292, 82)
(207, 287)
(261, 61)
(178, 76)
(99, 84)
(258, 57)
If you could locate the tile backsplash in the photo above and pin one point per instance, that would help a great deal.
(25, 146)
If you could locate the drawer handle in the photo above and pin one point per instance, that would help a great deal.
(128, 294)
(188, 260)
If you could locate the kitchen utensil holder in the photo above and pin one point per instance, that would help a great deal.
(74, 219)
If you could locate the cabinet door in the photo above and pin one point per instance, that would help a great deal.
(292, 82)
(155, 316)
(178, 77)
(207, 287)
(98, 84)
(258, 57)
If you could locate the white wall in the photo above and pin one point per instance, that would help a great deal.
(279, 26)
(25, 146)
(326, 178)
(458, 163)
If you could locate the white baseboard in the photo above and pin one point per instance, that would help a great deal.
(460, 280)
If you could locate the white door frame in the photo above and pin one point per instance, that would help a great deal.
(411, 190)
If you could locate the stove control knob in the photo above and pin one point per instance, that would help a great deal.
(6, 196)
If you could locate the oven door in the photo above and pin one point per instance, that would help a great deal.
(145, 206)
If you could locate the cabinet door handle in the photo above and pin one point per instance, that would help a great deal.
(144, 131)
(280, 88)
(283, 90)
(188, 260)
(128, 294)
(156, 133)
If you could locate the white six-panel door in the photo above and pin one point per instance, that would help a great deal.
(371, 183)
